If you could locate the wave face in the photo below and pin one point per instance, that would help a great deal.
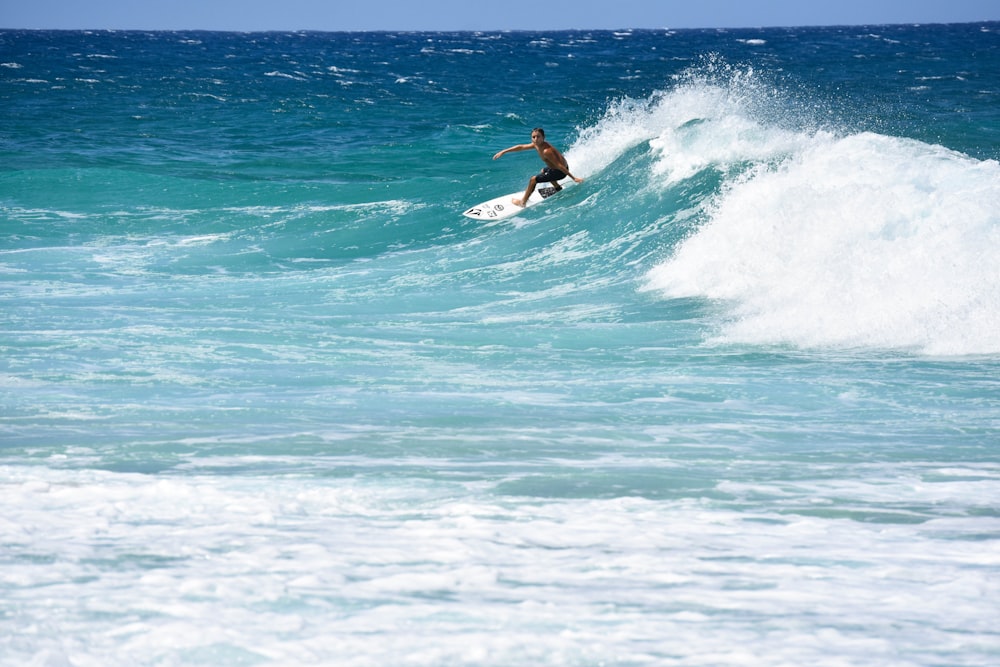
(266, 397)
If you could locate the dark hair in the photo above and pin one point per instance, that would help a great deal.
(539, 130)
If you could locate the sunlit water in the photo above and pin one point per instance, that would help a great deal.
(268, 398)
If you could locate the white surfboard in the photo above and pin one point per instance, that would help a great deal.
(503, 207)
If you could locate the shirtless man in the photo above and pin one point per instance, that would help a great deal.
(556, 167)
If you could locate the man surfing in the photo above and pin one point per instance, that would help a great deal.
(556, 168)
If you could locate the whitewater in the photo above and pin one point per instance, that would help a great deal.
(267, 398)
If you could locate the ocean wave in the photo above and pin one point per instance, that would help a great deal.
(811, 236)
(861, 240)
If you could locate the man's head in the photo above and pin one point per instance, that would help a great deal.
(537, 135)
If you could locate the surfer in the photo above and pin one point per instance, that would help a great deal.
(556, 168)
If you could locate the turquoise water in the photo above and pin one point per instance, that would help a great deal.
(268, 398)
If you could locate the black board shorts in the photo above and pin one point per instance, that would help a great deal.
(550, 175)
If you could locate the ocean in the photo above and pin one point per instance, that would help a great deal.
(268, 398)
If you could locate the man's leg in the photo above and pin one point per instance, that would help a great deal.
(527, 192)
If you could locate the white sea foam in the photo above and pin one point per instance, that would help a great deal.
(296, 76)
(817, 238)
(864, 240)
(223, 569)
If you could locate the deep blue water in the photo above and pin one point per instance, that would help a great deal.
(266, 397)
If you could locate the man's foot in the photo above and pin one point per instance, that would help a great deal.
(518, 202)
